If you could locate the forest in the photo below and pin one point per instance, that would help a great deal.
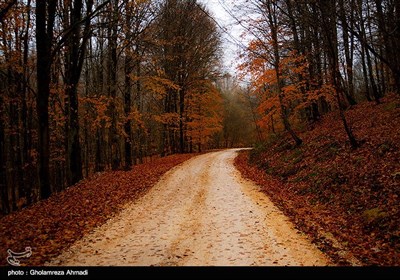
(100, 98)
(89, 86)
(325, 77)
(307, 58)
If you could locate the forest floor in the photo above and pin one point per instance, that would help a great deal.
(54, 224)
(346, 200)
(201, 213)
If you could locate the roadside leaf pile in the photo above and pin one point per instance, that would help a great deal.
(53, 224)
(347, 200)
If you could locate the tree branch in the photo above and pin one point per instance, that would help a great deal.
(5, 10)
(68, 32)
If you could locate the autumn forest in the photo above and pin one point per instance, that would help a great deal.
(89, 86)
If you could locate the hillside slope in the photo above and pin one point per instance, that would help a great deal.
(347, 200)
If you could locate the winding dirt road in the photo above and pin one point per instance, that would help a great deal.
(202, 213)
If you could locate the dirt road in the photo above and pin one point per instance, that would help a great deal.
(201, 213)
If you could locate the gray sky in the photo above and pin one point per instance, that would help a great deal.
(216, 7)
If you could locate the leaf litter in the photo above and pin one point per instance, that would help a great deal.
(53, 224)
(346, 200)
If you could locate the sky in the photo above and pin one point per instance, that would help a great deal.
(231, 33)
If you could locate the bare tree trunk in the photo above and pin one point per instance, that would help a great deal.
(127, 109)
(273, 25)
(365, 74)
(45, 15)
(112, 84)
(396, 45)
(139, 104)
(375, 93)
(328, 13)
(28, 178)
(75, 57)
(5, 207)
(181, 120)
(349, 90)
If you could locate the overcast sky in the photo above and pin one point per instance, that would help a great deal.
(231, 30)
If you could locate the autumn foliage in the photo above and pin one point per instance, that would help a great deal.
(346, 200)
(92, 85)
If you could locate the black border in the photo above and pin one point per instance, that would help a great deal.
(126, 272)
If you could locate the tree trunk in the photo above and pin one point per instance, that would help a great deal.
(127, 109)
(74, 168)
(141, 137)
(45, 14)
(99, 161)
(5, 207)
(365, 74)
(75, 56)
(349, 90)
(181, 121)
(112, 83)
(273, 25)
(375, 93)
(28, 178)
(328, 13)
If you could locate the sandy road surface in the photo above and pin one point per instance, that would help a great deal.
(201, 213)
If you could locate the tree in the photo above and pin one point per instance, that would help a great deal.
(112, 60)
(239, 119)
(74, 57)
(328, 15)
(45, 17)
(203, 115)
(348, 46)
(265, 51)
(308, 45)
(138, 19)
(5, 7)
(188, 51)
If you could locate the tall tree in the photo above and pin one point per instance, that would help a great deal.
(5, 207)
(138, 19)
(45, 17)
(189, 50)
(329, 16)
(77, 38)
(266, 53)
(348, 46)
(114, 23)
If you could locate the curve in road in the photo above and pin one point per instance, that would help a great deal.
(201, 213)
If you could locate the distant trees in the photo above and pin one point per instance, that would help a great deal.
(91, 85)
(17, 160)
(188, 53)
(239, 117)
(307, 57)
